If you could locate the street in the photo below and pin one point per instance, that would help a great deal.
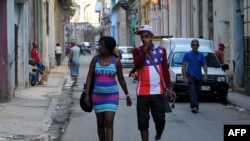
(181, 124)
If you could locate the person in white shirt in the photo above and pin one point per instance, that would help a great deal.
(58, 51)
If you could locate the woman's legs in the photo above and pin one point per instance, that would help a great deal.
(105, 124)
(100, 126)
(109, 124)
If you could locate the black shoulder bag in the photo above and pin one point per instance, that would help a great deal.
(84, 107)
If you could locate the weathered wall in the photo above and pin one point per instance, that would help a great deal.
(4, 54)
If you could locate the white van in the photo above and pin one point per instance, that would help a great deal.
(217, 83)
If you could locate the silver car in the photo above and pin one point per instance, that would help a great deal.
(126, 56)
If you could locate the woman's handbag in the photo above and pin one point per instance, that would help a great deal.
(168, 109)
(88, 108)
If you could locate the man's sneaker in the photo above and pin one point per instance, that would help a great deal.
(74, 85)
(194, 110)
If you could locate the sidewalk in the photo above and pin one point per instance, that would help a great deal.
(241, 102)
(28, 116)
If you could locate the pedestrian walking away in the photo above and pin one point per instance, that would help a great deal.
(74, 63)
(105, 96)
(150, 90)
(192, 74)
(58, 53)
(220, 53)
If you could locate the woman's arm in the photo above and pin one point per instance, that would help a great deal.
(90, 79)
(122, 81)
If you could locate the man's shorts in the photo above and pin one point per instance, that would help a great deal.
(153, 103)
(74, 68)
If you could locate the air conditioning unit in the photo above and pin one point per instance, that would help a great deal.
(20, 1)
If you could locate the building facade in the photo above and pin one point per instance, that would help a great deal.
(24, 22)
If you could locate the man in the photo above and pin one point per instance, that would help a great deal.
(34, 72)
(192, 75)
(74, 63)
(150, 90)
(219, 53)
(34, 53)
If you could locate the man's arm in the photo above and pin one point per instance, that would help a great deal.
(165, 70)
(70, 57)
(183, 71)
(139, 57)
(205, 71)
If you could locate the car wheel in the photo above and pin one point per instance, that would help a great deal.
(224, 98)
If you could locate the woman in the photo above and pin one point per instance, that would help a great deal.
(105, 95)
(58, 52)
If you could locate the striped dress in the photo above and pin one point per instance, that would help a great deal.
(105, 96)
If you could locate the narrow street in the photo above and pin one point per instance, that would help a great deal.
(181, 125)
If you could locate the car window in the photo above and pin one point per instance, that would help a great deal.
(177, 59)
(211, 59)
(126, 50)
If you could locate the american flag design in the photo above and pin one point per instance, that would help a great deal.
(149, 80)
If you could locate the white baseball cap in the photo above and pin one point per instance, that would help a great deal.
(145, 28)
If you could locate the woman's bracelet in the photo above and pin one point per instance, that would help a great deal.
(127, 95)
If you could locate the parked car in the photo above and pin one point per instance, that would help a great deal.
(217, 84)
(126, 56)
(85, 47)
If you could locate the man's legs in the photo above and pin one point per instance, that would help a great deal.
(144, 135)
(158, 113)
(75, 72)
(32, 76)
(197, 90)
(143, 116)
(37, 77)
(194, 104)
